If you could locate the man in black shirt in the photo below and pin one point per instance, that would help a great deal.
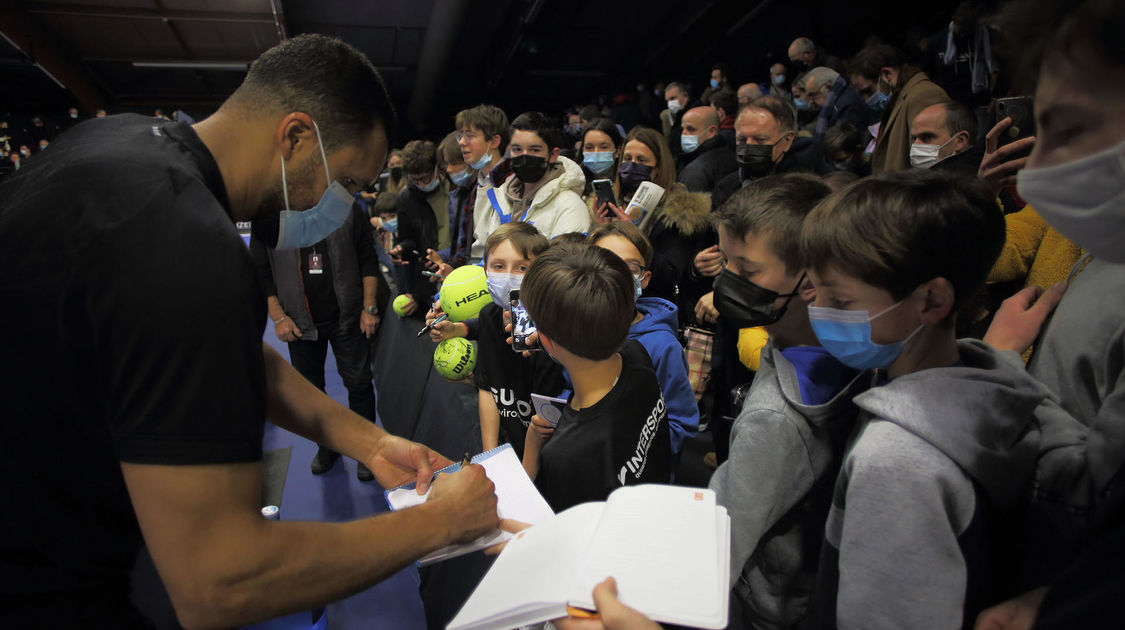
(321, 294)
(135, 319)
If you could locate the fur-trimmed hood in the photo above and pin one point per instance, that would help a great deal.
(687, 212)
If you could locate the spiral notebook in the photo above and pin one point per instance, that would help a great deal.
(517, 499)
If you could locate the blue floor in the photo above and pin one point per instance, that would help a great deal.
(338, 496)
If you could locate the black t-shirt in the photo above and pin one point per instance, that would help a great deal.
(622, 440)
(134, 323)
(511, 378)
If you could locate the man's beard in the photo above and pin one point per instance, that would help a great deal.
(302, 195)
(266, 219)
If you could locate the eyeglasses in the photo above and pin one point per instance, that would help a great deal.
(636, 269)
(468, 136)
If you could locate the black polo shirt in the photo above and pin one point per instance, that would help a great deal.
(133, 322)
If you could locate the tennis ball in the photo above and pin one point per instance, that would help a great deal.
(454, 358)
(400, 304)
(464, 292)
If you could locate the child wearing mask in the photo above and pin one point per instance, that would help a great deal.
(788, 440)
(505, 379)
(614, 428)
(655, 326)
(948, 437)
(545, 189)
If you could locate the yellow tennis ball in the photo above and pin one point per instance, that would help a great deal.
(464, 292)
(455, 358)
(400, 304)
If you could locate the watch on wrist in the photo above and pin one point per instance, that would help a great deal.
(370, 310)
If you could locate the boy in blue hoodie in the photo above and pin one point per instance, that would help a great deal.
(947, 441)
(787, 442)
(654, 326)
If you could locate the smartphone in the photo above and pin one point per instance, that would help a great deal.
(603, 188)
(522, 326)
(1021, 109)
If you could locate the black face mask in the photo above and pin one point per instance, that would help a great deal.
(632, 175)
(746, 304)
(754, 160)
(396, 173)
(529, 168)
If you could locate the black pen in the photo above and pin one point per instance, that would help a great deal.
(430, 326)
(467, 459)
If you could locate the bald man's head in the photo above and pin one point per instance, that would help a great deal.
(802, 51)
(702, 122)
(748, 92)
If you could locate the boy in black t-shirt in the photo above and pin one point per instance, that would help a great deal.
(505, 379)
(614, 430)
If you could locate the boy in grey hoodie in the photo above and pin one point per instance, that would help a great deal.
(947, 441)
(787, 443)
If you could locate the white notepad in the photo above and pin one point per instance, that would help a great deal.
(668, 547)
(517, 499)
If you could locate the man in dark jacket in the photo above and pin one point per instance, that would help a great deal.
(326, 294)
(767, 143)
(837, 101)
(942, 138)
(706, 158)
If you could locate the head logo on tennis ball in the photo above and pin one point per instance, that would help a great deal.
(464, 292)
(455, 358)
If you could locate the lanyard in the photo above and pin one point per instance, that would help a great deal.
(504, 217)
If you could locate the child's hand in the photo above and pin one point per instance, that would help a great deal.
(1020, 318)
(709, 262)
(705, 311)
(612, 614)
(543, 429)
(448, 330)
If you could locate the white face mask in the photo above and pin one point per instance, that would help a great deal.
(926, 155)
(674, 106)
(1083, 199)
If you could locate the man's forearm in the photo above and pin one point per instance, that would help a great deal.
(296, 405)
(370, 289)
(274, 307)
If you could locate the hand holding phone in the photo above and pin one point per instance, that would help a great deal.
(522, 326)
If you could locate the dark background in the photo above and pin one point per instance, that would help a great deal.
(437, 56)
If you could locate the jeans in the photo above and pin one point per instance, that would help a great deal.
(353, 362)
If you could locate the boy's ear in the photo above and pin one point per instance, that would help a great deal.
(807, 292)
(937, 301)
(553, 156)
(543, 338)
(646, 277)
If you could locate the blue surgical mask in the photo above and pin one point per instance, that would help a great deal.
(801, 104)
(846, 335)
(462, 178)
(500, 285)
(637, 288)
(598, 161)
(430, 186)
(779, 79)
(307, 228)
(714, 84)
(689, 143)
(391, 225)
(482, 162)
(878, 101)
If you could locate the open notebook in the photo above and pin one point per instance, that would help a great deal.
(517, 498)
(668, 547)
